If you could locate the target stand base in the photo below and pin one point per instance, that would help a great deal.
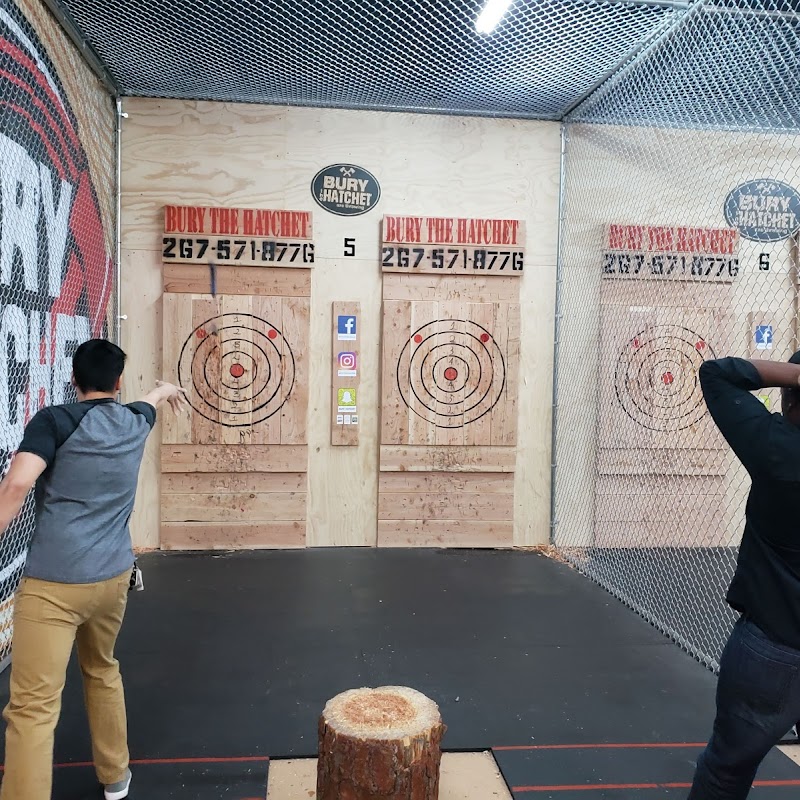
(464, 776)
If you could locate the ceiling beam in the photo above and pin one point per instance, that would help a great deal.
(72, 30)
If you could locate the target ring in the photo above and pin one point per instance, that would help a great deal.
(657, 377)
(240, 368)
(451, 372)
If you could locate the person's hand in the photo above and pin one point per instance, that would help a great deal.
(174, 395)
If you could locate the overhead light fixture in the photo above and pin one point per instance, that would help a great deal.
(491, 15)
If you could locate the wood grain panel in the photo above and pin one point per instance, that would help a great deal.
(506, 412)
(295, 316)
(434, 287)
(445, 533)
(252, 506)
(232, 536)
(233, 458)
(402, 458)
(479, 432)
(232, 482)
(662, 461)
(196, 279)
(396, 332)
(176, 428)
(420, 431)
(445, 482)
(455, 505)
(241, 430)
(478, 345)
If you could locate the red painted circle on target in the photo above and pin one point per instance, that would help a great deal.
(668, 378)
(201, 334)
(450, 374)
(237, 370)
(700, 346)
(273, 334)
(417, 338)
(485, 337)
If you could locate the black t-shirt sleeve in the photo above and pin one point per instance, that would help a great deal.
(41, 436)
(145, 410)
(742, 418)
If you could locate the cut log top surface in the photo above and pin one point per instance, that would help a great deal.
(384, 713)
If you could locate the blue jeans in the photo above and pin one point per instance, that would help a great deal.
(758, 701)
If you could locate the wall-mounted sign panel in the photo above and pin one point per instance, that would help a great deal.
(345, 190)
(665, 252)
(240, 237)
(764, 210)
(453, 245)
(346, 404)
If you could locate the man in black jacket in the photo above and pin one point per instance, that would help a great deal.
(758, 693)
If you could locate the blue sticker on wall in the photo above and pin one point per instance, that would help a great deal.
(346, 190)
(763, 337)
(764, 210)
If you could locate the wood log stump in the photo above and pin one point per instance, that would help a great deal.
(379, 744)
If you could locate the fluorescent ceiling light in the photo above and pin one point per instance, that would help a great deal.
(491, 15)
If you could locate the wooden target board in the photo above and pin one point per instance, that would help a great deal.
(656, 440)
(234, 469)
(450, 373)
(449, 381)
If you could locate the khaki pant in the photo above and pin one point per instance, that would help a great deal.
(48, 619)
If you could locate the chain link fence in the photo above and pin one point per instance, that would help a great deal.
(57, 233)
(679, 227)
(412, 55)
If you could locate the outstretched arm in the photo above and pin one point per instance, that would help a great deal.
(777, 374)
(741, 417)
(166, 392)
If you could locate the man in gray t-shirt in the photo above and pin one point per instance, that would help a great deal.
(83, 459)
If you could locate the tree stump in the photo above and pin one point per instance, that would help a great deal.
(379, 744)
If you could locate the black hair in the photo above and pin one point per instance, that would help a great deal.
(795, 359)
(97, 365)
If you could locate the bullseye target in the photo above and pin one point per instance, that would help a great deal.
(656, 378)
(240, 367)
(451, 372)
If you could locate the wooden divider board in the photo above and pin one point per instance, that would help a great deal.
(661, 460)
(234, 469)
(448, 411)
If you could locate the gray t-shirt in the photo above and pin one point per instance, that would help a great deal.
(84, 499)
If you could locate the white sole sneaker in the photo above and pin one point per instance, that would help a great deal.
(118, 791)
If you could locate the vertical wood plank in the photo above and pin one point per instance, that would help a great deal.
(176, 428)
(296, 318)
(420, 430)
(237, 348)
(205, 369)
(269, 312)
(396, 332)
(506, 324)
(479, 432)
(452, 313)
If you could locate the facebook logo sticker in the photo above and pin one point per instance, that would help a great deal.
(763, 337)
(346, 328)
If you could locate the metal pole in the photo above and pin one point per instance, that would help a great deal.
(557, 330)
(118, 223)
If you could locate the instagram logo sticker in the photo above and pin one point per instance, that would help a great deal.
(347, 365)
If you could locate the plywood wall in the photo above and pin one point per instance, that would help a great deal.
(255, 156)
